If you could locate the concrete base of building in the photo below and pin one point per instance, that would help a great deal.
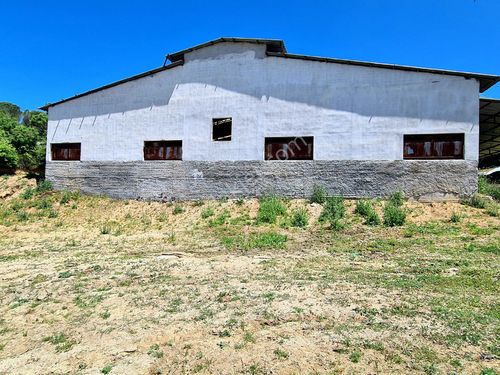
(428, 180)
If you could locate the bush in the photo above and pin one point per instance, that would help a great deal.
(487, 188)
(396, 199)
(363, 207)
(300, 218)
(475, 201)
(8, 156)
(43, 186)
(28, 193)
(372, 218)
(455, 218)
(319, 195)
(333, 212)
(178, 209)
(206, 213)
(393, 215)
(270, 207)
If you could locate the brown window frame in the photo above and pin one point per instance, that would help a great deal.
(433, 146)
(218, 126)
(66, 151)
(305, 150)
(163, 150)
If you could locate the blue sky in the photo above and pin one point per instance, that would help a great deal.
(54, 49)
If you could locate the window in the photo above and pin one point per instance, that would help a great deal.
(433, 146)
(289, 148)
(163, 150)
(221, 129)
(66, 151)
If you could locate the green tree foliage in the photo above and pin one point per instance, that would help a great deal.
(8, 154)
(36, 120)
(11, 110)
(27, 139)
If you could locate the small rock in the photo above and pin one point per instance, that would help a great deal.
(487, 357)
(42, 295)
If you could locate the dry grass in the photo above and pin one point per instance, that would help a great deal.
(130, 287)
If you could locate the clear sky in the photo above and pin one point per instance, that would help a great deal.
(52, 49)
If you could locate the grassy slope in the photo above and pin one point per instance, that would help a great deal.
(90, 284)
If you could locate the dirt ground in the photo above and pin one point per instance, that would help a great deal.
(91, 285)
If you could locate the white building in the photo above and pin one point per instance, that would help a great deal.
(224, 108)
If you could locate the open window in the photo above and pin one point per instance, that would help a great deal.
(433, 146)
(289, 148)
(66, 151)
(163, 150)
(222, 129)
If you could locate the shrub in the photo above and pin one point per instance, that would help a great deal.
(372, 218)
(300, 218)
(206, 213)
(487, 188)
(43, 186)
(397, 198)
(455, 218)
(8, 156)
(44, 204)
(334, 210)
(28, 193)
(219, 220)
(318, 195)
(178, 209)
(393, 215)
(105, 229)
(66, 197)
(270, 207)
(363, 207)
(475, 201)
(53, 214)
(22, 216)
(492, 210)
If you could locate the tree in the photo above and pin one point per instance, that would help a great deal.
(8, 154)
(37, 120)
(27, 139)
(10, 110)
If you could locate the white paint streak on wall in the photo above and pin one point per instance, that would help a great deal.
(354, 112)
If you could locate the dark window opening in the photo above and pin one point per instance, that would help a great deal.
(289, 148)
(66, 151)
(433, 146)
(163, 150)
(221, 129)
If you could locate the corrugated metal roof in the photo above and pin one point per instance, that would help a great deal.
(489, 132)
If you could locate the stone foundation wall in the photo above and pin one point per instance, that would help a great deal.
(190, 180)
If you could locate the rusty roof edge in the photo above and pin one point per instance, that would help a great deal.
(488, 79)
(116, 83)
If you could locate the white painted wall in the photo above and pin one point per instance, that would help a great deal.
(354, 113)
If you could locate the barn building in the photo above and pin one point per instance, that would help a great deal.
(243, 117)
